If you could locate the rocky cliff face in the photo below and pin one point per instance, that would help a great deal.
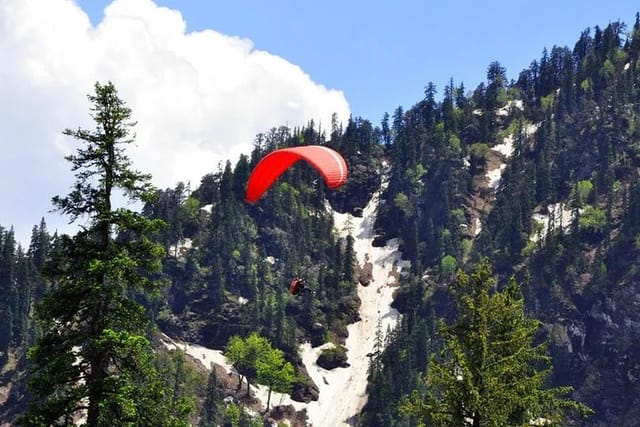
(594, 330)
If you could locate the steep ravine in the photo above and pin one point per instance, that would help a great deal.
(342, 390)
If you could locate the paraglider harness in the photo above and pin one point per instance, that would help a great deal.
(297, 287)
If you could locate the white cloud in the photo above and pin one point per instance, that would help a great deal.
(199, 98)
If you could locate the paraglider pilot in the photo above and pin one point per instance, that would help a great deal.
(297, 287)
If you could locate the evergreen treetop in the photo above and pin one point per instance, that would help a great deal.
(93, 359)
(491, 371)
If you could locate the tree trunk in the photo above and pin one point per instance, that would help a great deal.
(95, 393)
(268, 399)
(98, 365)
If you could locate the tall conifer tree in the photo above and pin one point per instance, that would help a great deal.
(93, 359)
(491, 372)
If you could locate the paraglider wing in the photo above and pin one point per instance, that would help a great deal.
(293, 285)
(328, 162)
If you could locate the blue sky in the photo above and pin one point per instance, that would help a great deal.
(382, 53)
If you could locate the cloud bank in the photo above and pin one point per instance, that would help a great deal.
(199, 97)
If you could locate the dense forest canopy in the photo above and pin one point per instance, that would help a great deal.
(539, 175)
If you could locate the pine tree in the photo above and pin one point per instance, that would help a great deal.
(24, 286)
(349, 260)
(634, 45)
(8, 292)
(212, 409)
(93, 356)
(39, 250)
(491, 372)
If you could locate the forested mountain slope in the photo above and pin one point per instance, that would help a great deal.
(540, 175)
(562, 218)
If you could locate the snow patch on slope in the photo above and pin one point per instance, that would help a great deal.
(506, 149)
(205, 355)
(342, 390)
(181, 248)
(531, 128)
(515, 104)
(476, 226)
(558, 217)
(495, 175)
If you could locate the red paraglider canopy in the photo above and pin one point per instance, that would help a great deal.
(328, 162)
(294, 284)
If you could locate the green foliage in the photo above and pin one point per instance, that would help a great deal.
(275, 373)
(232, 415)
(6, 328)
(243, 353)
(333, 357)
(182, 379)
(467, 245)
(547, 102)
(608, 68)
(394, 371)
(448, 265)
(529, 248)
(9, 306)
(582, 192)
(491, 372)
(404, 204)
(593, 220)
(252, 252)
(583, 102)
(93, 353)
(212, 408)
(456, 145)
(457, 216)
(348, 262)
(514, 128)
(415, 174)
(255, 358)
(479, 151)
